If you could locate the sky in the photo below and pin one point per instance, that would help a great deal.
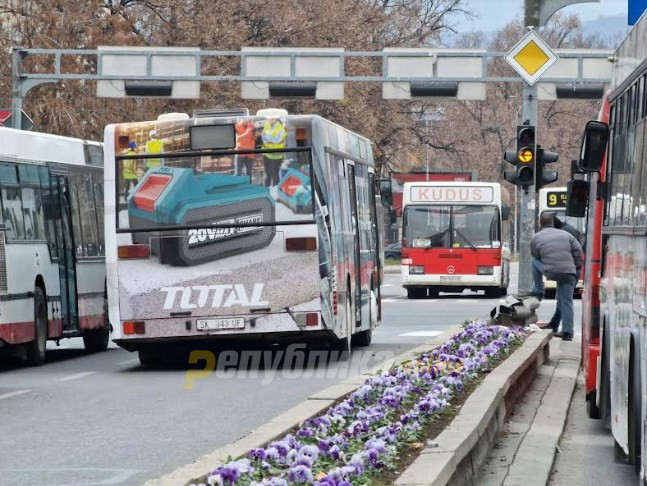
(494, 14)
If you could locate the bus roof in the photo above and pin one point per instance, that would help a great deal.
(44, 147)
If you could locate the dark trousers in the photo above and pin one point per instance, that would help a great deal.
(244, 164)
(272, 168)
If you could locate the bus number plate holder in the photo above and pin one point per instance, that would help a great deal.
(450, 278)
(220, 323)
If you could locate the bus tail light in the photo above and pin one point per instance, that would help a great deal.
(312, 319)
(301, 244)
(133, 252)
(134, 327)
(484, 270)
(417, 270)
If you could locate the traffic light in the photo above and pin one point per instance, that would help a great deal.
(523, 158)
(545, 176)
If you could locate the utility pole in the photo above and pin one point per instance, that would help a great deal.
(527, 201)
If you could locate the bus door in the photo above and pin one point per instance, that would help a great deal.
(67, 256)
(357, 264)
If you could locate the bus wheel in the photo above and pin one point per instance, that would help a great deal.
(36, 348)
(343, 345)
(493, 292)
(150, 356)
(96, 340)
(605, 380)
(363, 338)
(416, 293)
(503, 291)
(635, 413)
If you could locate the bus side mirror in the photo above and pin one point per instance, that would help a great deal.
(386, 191)
(505, 213)
(594, 146)
(577, 198)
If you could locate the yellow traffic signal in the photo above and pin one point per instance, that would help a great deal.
(526, 156)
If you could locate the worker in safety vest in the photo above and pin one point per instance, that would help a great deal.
(274, 136)
(130, 169)
(154, 146)
(245, 140)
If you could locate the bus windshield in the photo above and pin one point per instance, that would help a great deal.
(218, 189)
(452, 226)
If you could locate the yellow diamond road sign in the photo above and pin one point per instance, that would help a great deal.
(531, 57)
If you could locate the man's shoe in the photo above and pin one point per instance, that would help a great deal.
(566, 336)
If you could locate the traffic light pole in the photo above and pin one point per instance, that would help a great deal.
(526, 200)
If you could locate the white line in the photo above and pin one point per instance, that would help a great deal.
(14, 394)
(387, 285)
(129, 362)
(77, 376)
(388, 301)
(421, 334)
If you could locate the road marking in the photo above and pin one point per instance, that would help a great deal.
(128, 362)
(388, 301)
(77, 376)
(421, 334)
(14, 394)
(387, 285)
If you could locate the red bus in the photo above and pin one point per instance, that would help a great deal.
(455, 236)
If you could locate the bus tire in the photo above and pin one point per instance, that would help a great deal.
(433, 293)
(96, 340)
(150, 356)
(635, 413)
(605, 379)
(36, 348)
(416, 293)
(363, 338)
(343, 345)
(550, 293)
(503, 291)
(493, 292)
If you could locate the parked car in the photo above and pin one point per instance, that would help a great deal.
(394, 250)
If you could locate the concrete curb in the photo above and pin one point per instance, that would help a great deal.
(282, 424)
(392, 268)
(533, 462)
(464, 445)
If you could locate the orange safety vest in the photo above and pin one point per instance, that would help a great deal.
(245, 135)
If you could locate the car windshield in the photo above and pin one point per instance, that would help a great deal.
(468, 226)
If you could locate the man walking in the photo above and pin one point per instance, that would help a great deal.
(558, 256)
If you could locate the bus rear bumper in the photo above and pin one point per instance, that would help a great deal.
(462, 281)
(270, 328)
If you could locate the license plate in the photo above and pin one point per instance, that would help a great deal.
(450, 278)
(221, 323)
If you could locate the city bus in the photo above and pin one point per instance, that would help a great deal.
(618, 220)
(196, 251)
(553, 200)
(455, 236)
(52, 266)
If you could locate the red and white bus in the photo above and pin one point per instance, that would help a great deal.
(614, 331)
(289, 251)
(455, 236)
(52, 268)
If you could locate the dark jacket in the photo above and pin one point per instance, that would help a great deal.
(558, 250)
(564, 226)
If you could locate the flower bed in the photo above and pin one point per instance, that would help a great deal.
(361, 437)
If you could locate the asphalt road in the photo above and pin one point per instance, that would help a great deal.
(101, 419)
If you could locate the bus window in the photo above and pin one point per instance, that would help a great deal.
(32, 205)
(73, 197)
(12, 215)
(50, 210)
(98, 197)
(477, 225)
(427, 226)
(88, 214)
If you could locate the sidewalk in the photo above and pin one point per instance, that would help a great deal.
(392, 268)
(525, 452)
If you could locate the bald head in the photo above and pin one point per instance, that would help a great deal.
(546, 221)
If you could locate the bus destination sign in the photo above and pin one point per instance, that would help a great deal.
(451, 194)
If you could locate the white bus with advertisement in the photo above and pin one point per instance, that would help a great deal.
(52, 267)
(219, 238)
(554, 200)
(455, 236)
